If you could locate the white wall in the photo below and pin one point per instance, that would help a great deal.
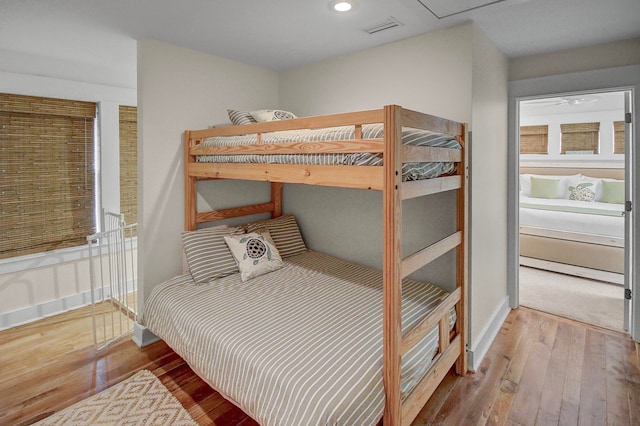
(602, 56)
(44, 284)
(488, 192)
(180, 89)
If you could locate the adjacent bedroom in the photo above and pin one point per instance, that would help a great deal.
(572, 207)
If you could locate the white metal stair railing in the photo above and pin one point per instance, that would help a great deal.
(113, 271)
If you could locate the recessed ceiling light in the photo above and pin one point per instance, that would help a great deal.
(342, 6)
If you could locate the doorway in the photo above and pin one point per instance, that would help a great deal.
(573, 236)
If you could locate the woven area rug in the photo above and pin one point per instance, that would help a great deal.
(140, 400)
(581, 299)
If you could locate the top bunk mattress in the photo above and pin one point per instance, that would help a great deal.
(300, 345)
(410, 136)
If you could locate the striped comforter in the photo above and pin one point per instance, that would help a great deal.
(297, 346)
(411, 171)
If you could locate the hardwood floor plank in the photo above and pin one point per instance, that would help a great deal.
(527, 398)
(593, 397)
(573, 377)
(549, 411)
(617, 390)
(506, 391)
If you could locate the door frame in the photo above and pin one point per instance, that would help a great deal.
(613, 79)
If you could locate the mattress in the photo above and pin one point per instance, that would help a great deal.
(300, 345)
(411, 171)
(594, 218)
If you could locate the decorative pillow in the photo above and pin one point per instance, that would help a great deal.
(272, 115)
(613, 191)
(544, 188)
(207, 253)
(582, 192)
(240, 117)
(255, 253)
(525, 183)
(285, 233)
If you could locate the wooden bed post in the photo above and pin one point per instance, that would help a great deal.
(276, 199)
(392, 267)
(461, 256)
(190, 207)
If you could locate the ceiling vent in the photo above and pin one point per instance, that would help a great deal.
(387, 24)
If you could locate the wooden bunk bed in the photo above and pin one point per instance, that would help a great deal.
(388, 179)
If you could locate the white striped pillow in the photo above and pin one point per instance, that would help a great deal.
(207, 254)
(240, 117)
(284, 232)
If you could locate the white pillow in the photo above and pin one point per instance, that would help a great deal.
(254, 252)
(525, 183)
(272, 115)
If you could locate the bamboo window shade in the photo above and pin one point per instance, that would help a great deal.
(580, 137)
(618, 137)
(129, 163)
(48, 174)
(534, 139)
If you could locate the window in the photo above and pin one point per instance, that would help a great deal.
(534, 139)
(129, 163)
(47, 174)
(618, 137)
(580, 138)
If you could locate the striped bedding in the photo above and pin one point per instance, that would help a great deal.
(411, 171)
(297, 346)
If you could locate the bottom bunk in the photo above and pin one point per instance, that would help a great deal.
(303, 343)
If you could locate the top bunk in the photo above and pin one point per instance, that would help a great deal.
(350, 150)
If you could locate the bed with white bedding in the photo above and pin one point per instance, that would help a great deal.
(301, 345)
(568, 227)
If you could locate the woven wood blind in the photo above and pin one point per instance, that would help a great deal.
(618, 137)
(129, 163)
(47, 186)
(580, 137)
(534, 139)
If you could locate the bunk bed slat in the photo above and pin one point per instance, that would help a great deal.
(423, 391)
(413, 336)
(418, 188)
(213, 215)
(332, 147)
(428, 254)
(420, 120)
(358, 177)
(427, 154)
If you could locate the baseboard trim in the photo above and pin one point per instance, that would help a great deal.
(44, 310)
(142, 336)
(488, 334)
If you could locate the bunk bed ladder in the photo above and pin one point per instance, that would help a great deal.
(112, 267)
(398, 412)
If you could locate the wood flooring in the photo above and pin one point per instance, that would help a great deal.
(540, 370)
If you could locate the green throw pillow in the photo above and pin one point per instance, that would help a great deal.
(613, 192)
(544, 188)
